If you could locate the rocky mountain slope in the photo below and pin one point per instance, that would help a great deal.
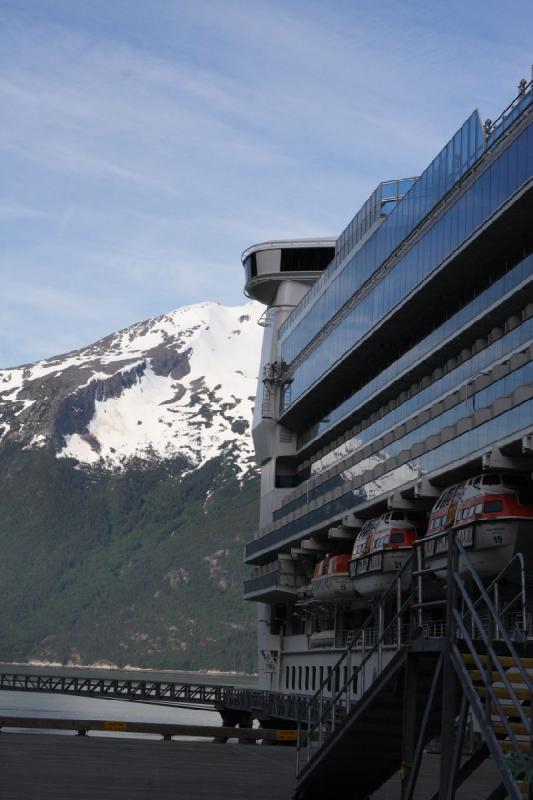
(127, 488)
(183, 383)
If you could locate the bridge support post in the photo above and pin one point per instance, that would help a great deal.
(230, 719)
(409, 724)
(450, 755)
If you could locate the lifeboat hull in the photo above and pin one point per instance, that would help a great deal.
(490, 545)
(335, 589)
(373, 574)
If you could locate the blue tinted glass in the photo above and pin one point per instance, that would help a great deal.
(485, 194)
(510, 422)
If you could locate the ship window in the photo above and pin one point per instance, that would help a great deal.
(479, 508)
(299, 677)
(329, 678)
(491, 506)
(250, 266)
(396, 538)
(295, 259)
(286, 677)
(313, 679)
(491, 480)
(337, 679)
(307, 679)
(293, 677)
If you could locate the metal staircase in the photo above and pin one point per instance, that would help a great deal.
(396, 687)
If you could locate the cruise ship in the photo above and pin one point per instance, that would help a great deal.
(395, 396)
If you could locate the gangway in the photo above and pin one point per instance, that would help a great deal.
(410, 687)
(229, 700)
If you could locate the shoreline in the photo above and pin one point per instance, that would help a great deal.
(104, 665)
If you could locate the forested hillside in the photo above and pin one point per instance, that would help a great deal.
(133, 567)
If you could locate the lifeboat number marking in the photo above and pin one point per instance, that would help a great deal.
(465, 536)
(371, 564)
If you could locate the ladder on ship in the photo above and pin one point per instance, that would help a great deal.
(414, 681)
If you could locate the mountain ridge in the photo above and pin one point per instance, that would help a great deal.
(196, 366)
(129, 551)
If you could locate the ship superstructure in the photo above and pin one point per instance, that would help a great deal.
(396, 363)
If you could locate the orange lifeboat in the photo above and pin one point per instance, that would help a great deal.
(492, 515)
(382, 548)
(331, 580)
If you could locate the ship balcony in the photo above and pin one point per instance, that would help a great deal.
(272, 587)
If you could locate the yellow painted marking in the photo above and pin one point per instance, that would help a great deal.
(505, 661)
(524, 746)
(501, 692)
(286, 736)
(516, 727)
(110, 725)
(512, 676)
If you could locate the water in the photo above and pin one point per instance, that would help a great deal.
(29, 704)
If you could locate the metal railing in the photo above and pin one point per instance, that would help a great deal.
(333, 698)
(494, 129)
(495, 718)
(473, 617)
(275, 704)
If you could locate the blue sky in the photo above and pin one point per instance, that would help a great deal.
(146, 143)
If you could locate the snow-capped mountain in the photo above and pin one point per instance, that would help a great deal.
(180, 384)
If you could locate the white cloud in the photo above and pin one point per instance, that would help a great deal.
(145, 150)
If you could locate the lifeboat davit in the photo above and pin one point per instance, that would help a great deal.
(331, 580)
(381, 549)
(492, 516)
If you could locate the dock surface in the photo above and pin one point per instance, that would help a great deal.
(52, 767)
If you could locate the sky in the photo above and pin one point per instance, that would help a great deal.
(145, 143)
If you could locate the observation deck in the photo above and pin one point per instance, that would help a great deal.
(267, 264)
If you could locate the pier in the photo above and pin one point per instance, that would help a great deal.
(48, 767)
(231, 701)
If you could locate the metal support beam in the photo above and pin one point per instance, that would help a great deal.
(527, 444)
(459, 739)
(397, 501)
(315, 545)
(351, 521)
(425, 489)
(341, 534)
(450, 686)
(469, 767)
(495, 459)
(417, 752)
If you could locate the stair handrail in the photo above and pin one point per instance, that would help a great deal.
(492, 658)
(489, 688)
(492, 611)
(327, 710)
(520, 595)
